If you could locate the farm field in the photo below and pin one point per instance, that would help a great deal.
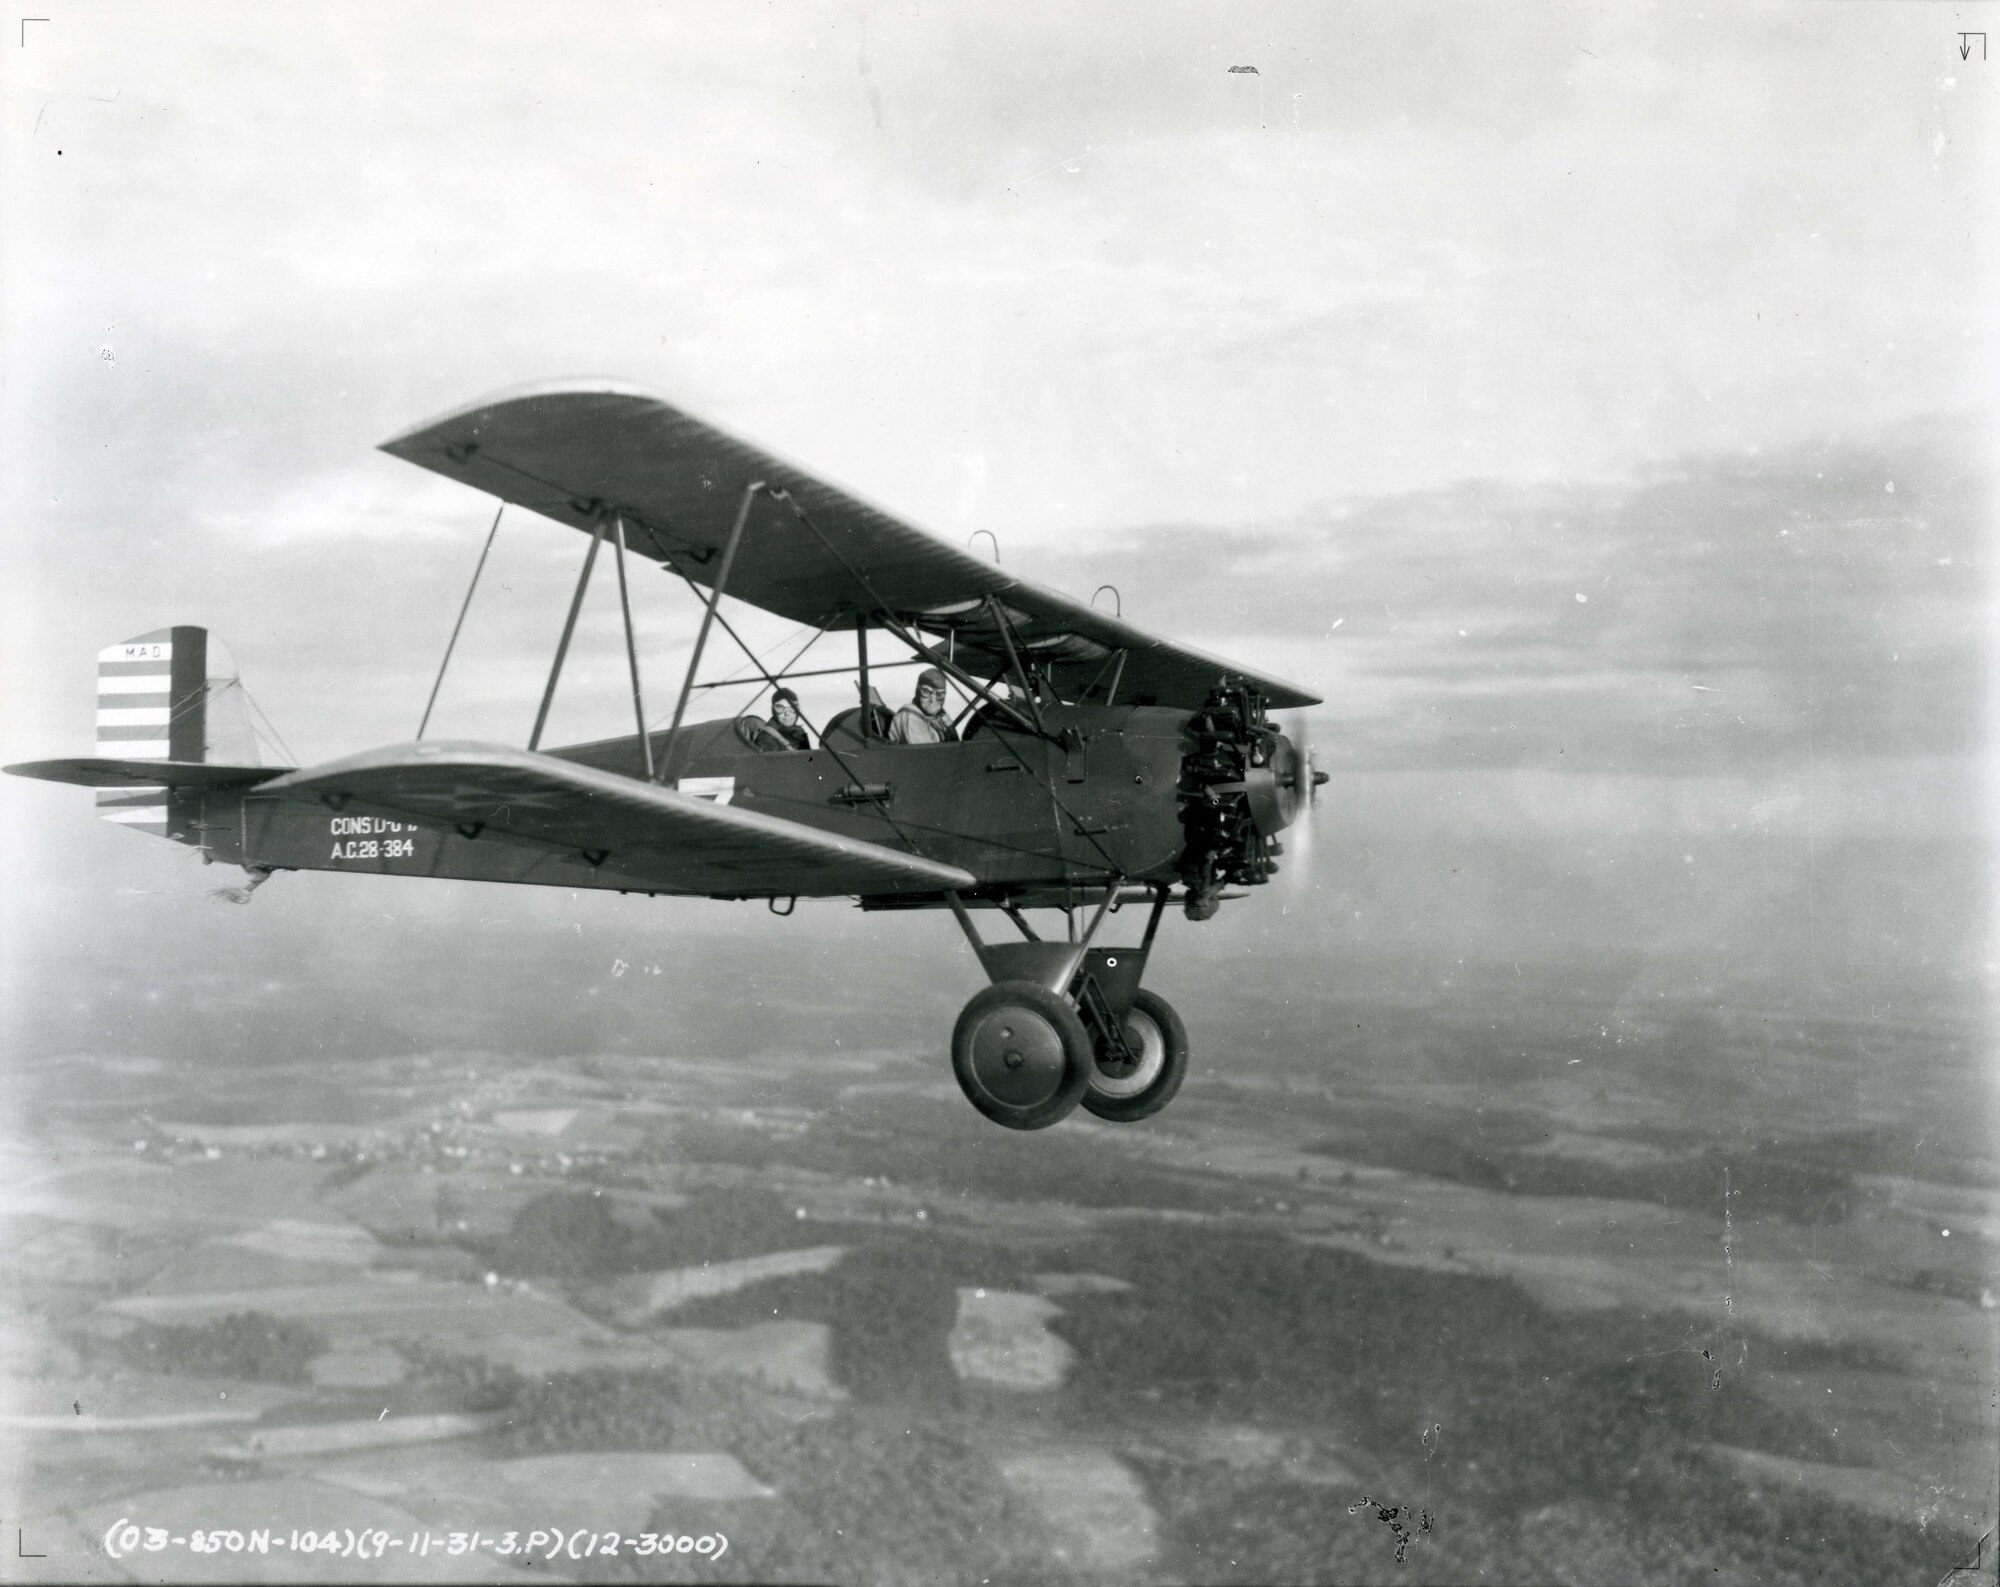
(1432, 1292)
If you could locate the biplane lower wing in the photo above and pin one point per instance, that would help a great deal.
(654, 835)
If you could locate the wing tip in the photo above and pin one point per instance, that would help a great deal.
(406, 441)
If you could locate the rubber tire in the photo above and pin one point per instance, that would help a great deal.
(1060, 1018)
(1173, 1067)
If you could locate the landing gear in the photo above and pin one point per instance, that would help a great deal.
(1066, 1022)
(1021, 1055)
(1137, 1083)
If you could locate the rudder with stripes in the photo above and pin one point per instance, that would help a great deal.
(152, 704)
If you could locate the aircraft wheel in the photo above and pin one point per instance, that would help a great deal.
(1021, 1055)
(1124, 1093)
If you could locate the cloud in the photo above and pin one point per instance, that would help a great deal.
(297, 237)
(1289, 317)
(1721, 610)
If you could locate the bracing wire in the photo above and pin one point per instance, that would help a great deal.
(761, 678)
(250, 700)
(465, 606)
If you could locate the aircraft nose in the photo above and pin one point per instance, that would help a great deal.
(1278, 788)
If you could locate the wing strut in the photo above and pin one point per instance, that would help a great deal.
(451, 644)
(632, 647)
(1013, 655)
(569, 628)
(750, 493)
(1113, 664)
(867, 698)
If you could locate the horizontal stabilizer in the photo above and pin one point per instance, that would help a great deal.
(655, 835)
(97, 772)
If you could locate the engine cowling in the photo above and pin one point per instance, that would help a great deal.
(1242, 782)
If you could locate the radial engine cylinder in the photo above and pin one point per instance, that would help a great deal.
(1242, 782)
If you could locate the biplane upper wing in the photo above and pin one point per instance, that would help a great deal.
(649, 833)
(569, 451)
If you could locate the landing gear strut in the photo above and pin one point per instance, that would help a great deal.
(1066, 1023)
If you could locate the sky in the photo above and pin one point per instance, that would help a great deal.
(1593, 402)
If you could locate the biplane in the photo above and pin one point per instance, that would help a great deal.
(1090, 765)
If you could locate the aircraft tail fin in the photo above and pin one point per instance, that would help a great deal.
(171, 695)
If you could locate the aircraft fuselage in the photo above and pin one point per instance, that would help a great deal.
(1008, 807)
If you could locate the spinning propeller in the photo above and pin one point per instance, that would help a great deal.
(1305, 781)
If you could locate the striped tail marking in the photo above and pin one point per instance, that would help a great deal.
(150, 696)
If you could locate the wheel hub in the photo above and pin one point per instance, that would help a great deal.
(1115, 1077)
(1018, 1057)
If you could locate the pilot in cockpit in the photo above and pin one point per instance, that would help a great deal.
(785, 720)
(923, 720)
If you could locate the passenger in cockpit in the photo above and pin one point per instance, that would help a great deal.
(923, 720)
(785, 720)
